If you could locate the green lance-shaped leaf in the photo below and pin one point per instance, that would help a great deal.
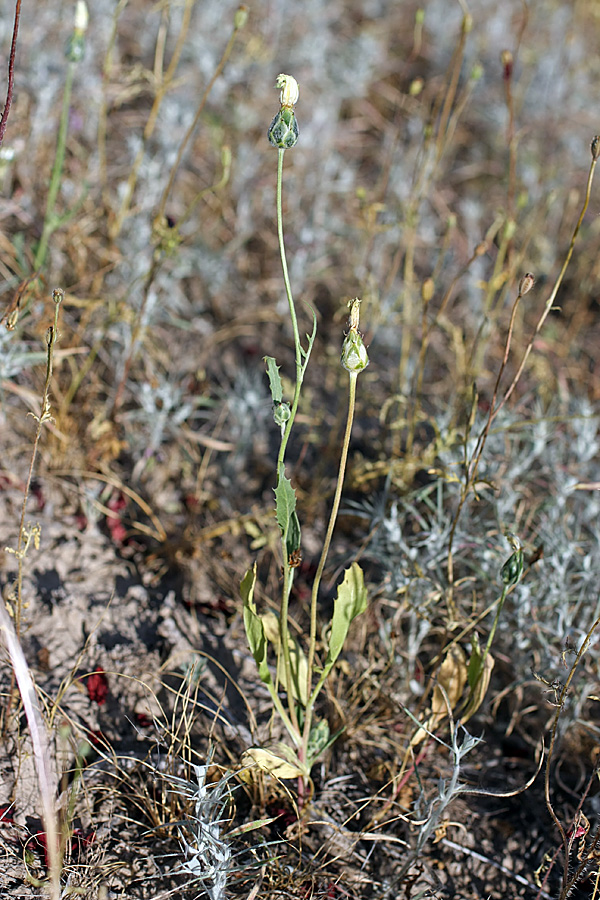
(274, 379)
(255, 631)
(285, 503)
(287, 518)
(350, 602)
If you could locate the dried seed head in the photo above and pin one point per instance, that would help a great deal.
(427, 290)
(506, 58)
(595, 147)
(526, 283)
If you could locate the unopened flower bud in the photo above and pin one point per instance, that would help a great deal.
(354, 353)
(595, 147)
(240, 17)
(526, 283)
(513, 567)
(283, 130)
(281, 413)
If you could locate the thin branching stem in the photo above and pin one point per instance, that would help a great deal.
(45, 416)
(555, 289)
(11, 72)
(471, 466)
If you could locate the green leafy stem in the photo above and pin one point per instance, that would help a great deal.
(296, 671)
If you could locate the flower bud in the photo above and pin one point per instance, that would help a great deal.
(281, 413)
(283, 130)
(512, 569)
(75, 48)
(240, 17)
(354, 353)
(595, 148)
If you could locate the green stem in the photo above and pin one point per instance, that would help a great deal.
(494, 626)
(319, 573)
(50, 220)
(300, 368)
(290, 722)
(287, 571)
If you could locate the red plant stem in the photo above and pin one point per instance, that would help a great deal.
(11, 71)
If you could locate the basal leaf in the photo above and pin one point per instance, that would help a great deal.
(273, 763)
(255, 632)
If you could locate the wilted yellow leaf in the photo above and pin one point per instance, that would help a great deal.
(270, 762)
